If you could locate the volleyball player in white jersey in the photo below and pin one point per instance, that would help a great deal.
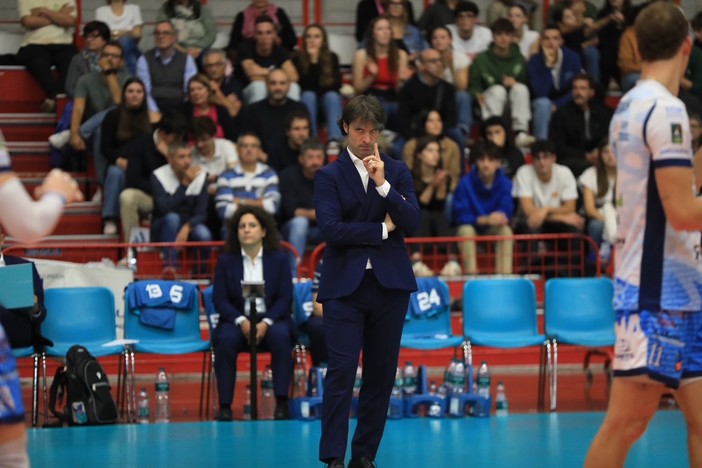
(658, 290)
(28, 221)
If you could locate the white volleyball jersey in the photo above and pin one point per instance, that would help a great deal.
(657, 267)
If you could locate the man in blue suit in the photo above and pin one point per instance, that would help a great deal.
(365, 204)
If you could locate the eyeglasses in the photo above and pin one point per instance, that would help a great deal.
(111, 55)
(92, 35)
(213, 64)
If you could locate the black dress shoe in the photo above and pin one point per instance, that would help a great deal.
(224, 414)
(281, 411)
(335, 463)
(362, 462)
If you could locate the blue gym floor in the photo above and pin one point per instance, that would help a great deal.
(519, 440)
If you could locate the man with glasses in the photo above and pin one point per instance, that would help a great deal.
(95, 35)
(228, 91)
(468, 37)
(165, 71)
(96, 93)
(427, 90)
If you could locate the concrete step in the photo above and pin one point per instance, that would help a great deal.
(27, 127)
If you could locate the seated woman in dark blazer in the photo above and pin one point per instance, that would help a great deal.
(252, 252)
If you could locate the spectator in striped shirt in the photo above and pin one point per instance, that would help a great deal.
(250, 182)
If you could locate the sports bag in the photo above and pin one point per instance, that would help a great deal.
(80, 393)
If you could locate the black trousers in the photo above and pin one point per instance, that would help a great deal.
(38, 59)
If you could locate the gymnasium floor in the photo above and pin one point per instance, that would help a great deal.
(518, 440)
(525, 438)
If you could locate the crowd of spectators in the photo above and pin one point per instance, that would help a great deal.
(256, 116)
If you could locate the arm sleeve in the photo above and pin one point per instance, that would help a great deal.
(287, 33)
(200, 210)
(24, 218)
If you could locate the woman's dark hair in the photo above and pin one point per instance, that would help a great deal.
(132, 122)
(494, 121)
(97, 26)
(419, 121)
(601, 169)
(171, 5)
(422, 143)
(326, 60)
(271, 241)
(393, 50)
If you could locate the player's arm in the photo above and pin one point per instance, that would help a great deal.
(682, 208)
(697, 166)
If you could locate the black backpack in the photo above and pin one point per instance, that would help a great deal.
(80, 393)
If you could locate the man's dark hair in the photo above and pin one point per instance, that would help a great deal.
(551, 26)
(502, 25)
(173, 122)
(115, 44)
(585, 77)
(203, 127)
(661, 28)
(311, 144)
(264, 19)
(696, 22)
(298, 114)
(466, 6)
(543, 146)
(270, 242)
(484, 149)
(365, 108)
(97, 26)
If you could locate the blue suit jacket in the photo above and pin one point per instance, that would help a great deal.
(349, 220)
(227, 294)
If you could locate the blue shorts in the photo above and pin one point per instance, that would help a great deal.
(666, 346)
(11, 407)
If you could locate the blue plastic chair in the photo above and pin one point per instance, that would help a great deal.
(185, 338)
(428, 320)
(84, 316)
(579, 312)
(501, 313)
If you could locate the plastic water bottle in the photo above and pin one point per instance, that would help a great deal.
(246, 414)
(162, 411)
(300, 377)
(143, 407)
(448, 374)
(395, 411)
(267, 396)
(459, 377)
(501, 406)
(434, 407)
(409, 379)
(484, 380)
(358, 381)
